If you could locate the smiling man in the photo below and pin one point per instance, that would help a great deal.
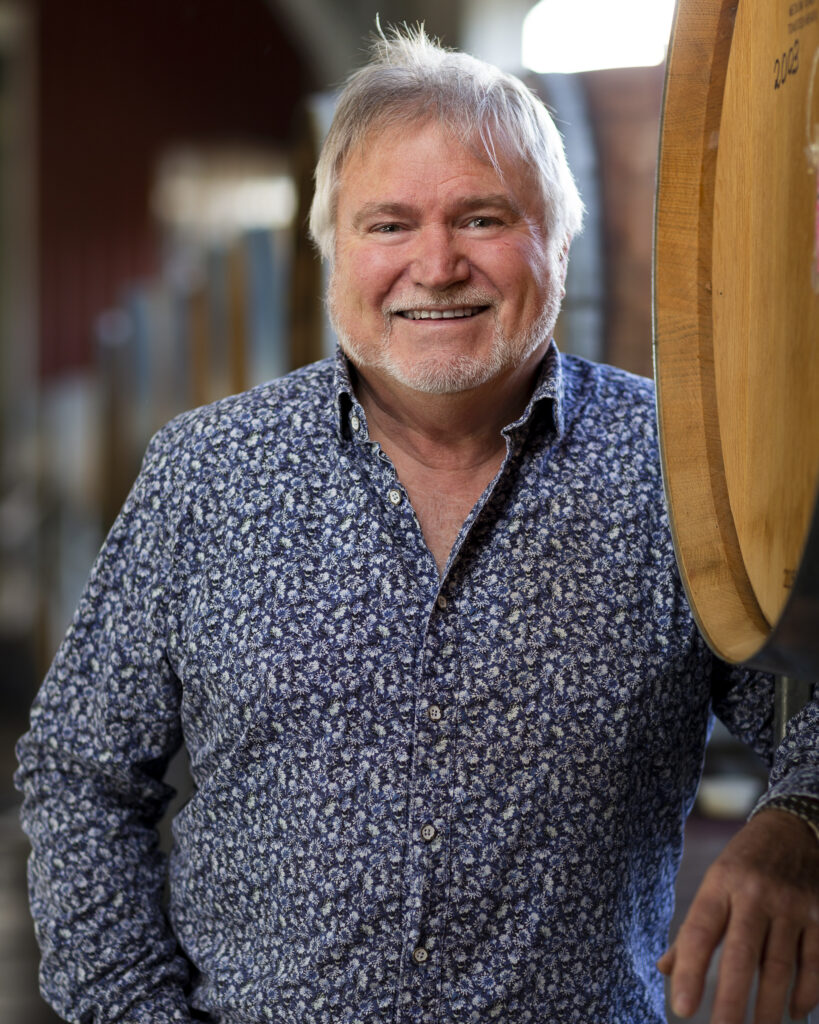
(415, 614)
(445, 288)
(450, 280)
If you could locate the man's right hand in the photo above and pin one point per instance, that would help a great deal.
(760, 898)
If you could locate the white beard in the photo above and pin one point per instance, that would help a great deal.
(438, 373)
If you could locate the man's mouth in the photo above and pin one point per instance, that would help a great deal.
(453, 313)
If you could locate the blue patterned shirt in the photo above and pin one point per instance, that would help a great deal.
(416, 799)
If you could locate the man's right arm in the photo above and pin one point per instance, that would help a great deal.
(760, 899)
(103, 727)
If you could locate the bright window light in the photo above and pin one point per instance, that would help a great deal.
(561, 36)
(221, 192)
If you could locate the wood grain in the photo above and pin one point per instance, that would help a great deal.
(736, 315)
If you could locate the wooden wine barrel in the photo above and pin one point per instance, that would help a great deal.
(736, 324)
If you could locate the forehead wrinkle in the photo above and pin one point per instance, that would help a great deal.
(406, 194)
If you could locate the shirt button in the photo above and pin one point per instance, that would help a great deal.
(395, 496)
(441, 602)
(420, 955)
(428, 833)
(435, 713)
(355, 422)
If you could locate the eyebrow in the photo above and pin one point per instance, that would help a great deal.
(497, 201)
(468, 204)
(375, 210)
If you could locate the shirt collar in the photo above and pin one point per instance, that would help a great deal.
(549, 390)
(548, 397)
(347, 405)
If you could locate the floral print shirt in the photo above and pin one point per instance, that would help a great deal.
(417, 798)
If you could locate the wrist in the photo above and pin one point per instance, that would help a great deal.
(806, 809)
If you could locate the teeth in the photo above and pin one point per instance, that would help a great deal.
(440, 314)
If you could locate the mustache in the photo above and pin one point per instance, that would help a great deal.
(439, 300)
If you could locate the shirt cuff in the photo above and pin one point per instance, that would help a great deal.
(803, 807)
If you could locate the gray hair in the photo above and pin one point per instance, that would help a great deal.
(410, 79)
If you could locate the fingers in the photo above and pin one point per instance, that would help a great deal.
(752, 943)
(666, 962)
(776, 972)
(805, 995)
(687, 961)
(741, 955)
(761, 900)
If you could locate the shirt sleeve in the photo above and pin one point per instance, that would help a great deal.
(103, 728)
(795, 770)
(744, 700)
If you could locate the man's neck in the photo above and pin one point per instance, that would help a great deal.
(450, 432)
(446, 449)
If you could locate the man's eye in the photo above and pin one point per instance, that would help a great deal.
(483, 222)
(386, 229)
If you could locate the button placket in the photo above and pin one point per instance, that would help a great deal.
(430, 814)
(432, 855)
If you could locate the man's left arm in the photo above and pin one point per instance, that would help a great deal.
(760, 898)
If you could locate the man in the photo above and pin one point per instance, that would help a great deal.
(416, 617)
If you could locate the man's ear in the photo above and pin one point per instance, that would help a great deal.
(563, 261)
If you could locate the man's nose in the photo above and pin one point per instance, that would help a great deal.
(438, 261)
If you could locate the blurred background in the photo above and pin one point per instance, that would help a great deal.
(155, 174)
